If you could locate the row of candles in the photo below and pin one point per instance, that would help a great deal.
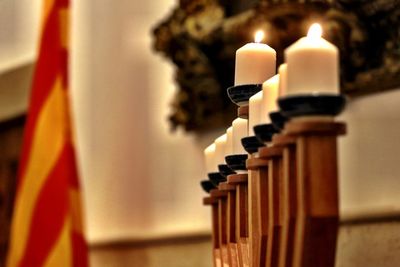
(311, 67)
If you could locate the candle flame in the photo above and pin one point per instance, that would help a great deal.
(315, 31)
(259, 36)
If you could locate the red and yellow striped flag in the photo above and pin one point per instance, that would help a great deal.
(47, 227)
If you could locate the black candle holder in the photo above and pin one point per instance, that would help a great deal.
(278, 120)
(224, 170)
(251, 144)
(237, 162)
(240, 94)
(312, 105)
(207, 185)
(216, 178)
(264, 132)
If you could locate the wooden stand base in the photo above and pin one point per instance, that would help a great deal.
(242, 233)
(275, 190)
(288, 198)
(258, 214)
(213, 202)
(217, 257)
(231, 245)
(317, 191)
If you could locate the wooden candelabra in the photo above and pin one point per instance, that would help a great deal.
(284, 212)
(291, 215)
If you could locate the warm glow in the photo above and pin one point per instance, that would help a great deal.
(259, 36)
(220, 140)
(315, 31)
(210, 149)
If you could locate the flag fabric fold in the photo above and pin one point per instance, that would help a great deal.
(47, 227)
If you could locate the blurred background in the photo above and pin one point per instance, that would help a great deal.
(140, 182)
(142, 199)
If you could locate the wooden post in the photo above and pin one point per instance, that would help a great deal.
(213, 202)
(275, 190)
(231, 222)
(317, 191)
(242, 225)
(258, 210)
(288, 198)
(243, 112)
(222, 225)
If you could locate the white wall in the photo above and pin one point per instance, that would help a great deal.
(19, 25)
(369, 156)
(19, 21)
(140, 180)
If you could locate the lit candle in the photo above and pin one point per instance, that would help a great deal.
(270, 97)
(255, 62)
(239, 131)
(255, 103)
(312, 65)
(220, 144)
(229, 142)
(282, 79)
(209, 154)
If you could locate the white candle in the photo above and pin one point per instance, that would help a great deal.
(229, 142)
(270, 97)
(312, 65)
(220, 144)
(239, 131)
(209, 154)
(255, 103)
(255, 62)
(282, 79)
